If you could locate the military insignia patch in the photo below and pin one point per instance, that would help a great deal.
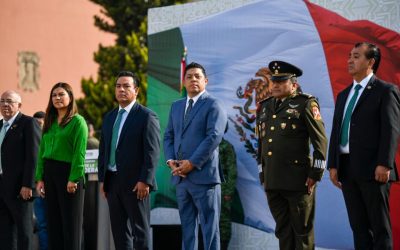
(315, 111)
(294, 126)
(283, 125)
(293, 105)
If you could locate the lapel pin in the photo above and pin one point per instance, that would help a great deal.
(369, 87)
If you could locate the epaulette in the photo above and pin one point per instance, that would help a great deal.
(264, 100)
(308, 96)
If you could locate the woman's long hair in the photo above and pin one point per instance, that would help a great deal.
(51, 111)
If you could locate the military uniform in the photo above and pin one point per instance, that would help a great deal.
(285, 133)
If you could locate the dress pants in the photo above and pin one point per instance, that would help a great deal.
(367, 203)
(64, 210)
(16, 227)
(293, 212)
(129, 216)
(199, 202)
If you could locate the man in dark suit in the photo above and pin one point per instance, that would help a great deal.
(362, 148)
(287, 122)
(194, 131)
(128, 156)
(19, 142)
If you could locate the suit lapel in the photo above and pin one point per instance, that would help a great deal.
(367, 91)
(13, 126)
(341, 102)
(200, 102)
(109, 129)
(128, 121)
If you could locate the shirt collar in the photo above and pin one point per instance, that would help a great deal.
(127, 108)
(364, 81)
(194, 98)
(11, 120)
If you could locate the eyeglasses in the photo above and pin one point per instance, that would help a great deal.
(7, 101)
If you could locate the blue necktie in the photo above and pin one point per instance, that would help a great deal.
(185, 120)
(2, 135)
(344, 134)
(189, 108)
(114, 137)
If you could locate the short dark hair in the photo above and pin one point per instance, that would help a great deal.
(193, 65)
(136, 80)
(39, 115)
(373, 51)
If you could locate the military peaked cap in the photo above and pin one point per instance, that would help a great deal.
(282, 70)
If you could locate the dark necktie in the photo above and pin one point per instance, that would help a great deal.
(114, 137)
(344, 134)
(278, 103)
(187, 113)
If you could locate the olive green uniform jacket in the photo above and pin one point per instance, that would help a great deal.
(285, 133)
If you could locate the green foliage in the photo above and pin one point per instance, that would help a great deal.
(127, 19)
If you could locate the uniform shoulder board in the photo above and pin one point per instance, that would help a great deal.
(308, 96)
(264, 100)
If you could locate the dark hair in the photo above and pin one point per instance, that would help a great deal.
(136, 80)
(39, 114)
(193, 65)
(51, 111)
(373, 51)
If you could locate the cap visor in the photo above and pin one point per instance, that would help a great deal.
(280, 78)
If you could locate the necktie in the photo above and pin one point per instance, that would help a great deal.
(2, 135)
(185, 120)
(189, 108)
(278, 103)
(114, 137)
(344, 134)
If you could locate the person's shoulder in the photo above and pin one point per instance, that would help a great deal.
(385, 84)
(23, 117)
(210, 98)
(110, 112)
(306, 99)
(179, 101)
(79, 118)
(304, 96)
(266, 100)
(146, 110)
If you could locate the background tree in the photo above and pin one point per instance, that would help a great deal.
(127, 19)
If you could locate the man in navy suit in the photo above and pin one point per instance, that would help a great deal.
(194, 131)
(362, 148)
(128, 156)
(19, 144)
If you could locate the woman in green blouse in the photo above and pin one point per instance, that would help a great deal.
(60, 170)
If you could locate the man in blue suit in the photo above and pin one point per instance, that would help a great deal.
(128, 156)
(195, 129)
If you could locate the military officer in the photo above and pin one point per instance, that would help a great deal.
(286, 124)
